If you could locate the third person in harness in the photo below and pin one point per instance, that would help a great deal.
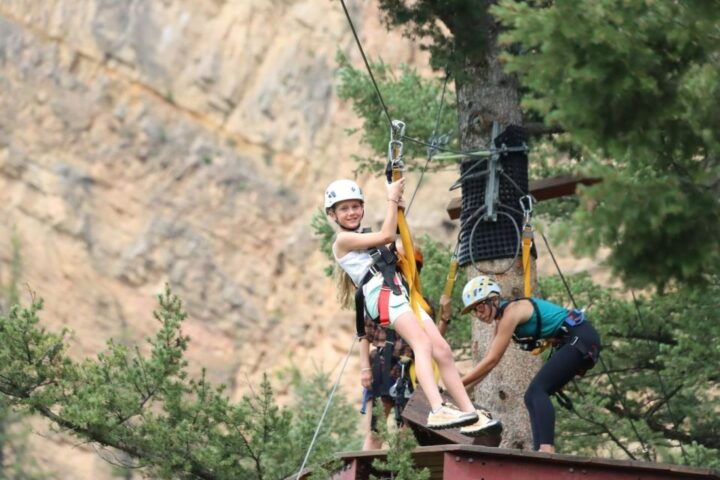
(533, 323)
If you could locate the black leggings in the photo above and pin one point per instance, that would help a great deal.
(566, 362)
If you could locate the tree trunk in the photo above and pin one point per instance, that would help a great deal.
(486, 94)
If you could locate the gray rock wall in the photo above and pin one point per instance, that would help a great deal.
(181, 142)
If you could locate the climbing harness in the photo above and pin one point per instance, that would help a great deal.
(402, 390)
(533, 344)
(384, 264)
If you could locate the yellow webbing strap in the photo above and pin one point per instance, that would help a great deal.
(449, 283)
(409, 271)
(527, 239)
(408, 266)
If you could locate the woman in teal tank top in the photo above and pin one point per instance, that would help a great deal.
(533, 322)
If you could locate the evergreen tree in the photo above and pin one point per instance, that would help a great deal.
(633, 86)
(634, 83)
(146, 405)
(16, 462)
(657, 399)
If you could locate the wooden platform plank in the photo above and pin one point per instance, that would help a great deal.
(415, 415)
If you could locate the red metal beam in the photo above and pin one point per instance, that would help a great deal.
(534, 466)
(347, 472)
(471, 462)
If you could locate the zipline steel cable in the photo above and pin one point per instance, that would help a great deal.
(367, 64)
(327, 407)
(434, 143)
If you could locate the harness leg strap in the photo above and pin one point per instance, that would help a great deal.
(384, 306)
(360, 312)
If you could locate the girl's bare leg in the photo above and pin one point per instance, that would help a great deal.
(411, 331)
(443, 356)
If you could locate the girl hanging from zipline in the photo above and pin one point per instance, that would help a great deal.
(370, 275)
(533, 323)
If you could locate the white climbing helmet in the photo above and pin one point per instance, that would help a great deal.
(477, 290)
(341, 190)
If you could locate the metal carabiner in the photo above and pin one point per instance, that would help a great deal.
(526, 204)
(397, 130)
(395, 146)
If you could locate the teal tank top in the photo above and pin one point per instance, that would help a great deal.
(552, 316)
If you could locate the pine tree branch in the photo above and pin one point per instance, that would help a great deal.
(658, 338)
(663, 401)
(196, 469)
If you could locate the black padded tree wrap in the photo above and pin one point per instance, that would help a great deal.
(499, 239)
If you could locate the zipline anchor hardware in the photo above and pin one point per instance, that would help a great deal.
(492, 182)
(395, 150)
(526, 204)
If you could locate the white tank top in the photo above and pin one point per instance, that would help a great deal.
(356, 263)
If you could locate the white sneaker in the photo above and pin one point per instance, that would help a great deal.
(484, 423)
(448, 417)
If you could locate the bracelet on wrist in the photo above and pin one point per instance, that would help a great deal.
(366, 368)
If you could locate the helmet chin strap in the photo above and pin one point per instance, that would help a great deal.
(495, 304)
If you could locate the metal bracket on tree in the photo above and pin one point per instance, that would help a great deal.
(492, 181)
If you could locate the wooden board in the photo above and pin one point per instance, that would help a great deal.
(543, 189)
(416, 413)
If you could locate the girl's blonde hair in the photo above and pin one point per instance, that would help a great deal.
(346, 290)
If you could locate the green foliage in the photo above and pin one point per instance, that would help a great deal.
(664, 370)
(16, 463)
(147, 406)
(399, 463)
(409, 98)
(659, 228)
(9, 292)
(339, 431)
(454, 31)
(634, 84)
(322, 228)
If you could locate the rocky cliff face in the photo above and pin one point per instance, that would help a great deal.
(185, 142)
